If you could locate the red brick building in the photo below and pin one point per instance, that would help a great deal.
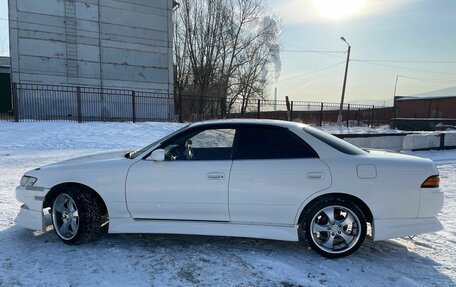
(437, 104)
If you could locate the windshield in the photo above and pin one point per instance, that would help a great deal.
(334, 142)
(135, 153)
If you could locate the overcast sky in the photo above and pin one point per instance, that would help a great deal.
(386, 37)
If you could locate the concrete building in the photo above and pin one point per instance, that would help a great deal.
(105, 44)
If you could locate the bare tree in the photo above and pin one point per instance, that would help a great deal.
(225, 49)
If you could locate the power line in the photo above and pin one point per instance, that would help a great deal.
(379, 62)
(428, 80)
(312, 72)
(405, 61)
(327, 53)
(406, 68)
(305, 50)
(310, 51)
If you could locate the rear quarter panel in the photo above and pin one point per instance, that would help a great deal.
(395, 190)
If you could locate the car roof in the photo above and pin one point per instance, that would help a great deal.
(278, 123)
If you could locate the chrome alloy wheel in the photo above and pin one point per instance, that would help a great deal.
(335, 229)
(65, 216)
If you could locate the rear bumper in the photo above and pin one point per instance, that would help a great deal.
(431, 202)
(31, 215)
(393, 228)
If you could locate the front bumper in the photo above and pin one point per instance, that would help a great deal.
(31, 215)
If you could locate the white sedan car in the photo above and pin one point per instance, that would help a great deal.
(247, 178)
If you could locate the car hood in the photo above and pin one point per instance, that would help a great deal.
(90, 158)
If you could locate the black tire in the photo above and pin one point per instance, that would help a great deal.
(85, 223)
(345, 233)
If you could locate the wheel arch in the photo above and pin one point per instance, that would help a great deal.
(57, 189)
(359, 202)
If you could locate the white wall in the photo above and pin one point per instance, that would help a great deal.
(404, 142)
(123, 44)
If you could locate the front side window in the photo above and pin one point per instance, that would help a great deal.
(271, 143)
(208, 144)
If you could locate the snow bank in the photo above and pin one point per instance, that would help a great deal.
(421, 141)
(450, 139)
(393, 139)
(385, 142)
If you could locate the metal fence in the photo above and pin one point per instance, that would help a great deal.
(82, 104)
(53, 102)
(191, 109)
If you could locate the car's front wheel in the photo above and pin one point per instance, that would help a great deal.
(334, 227)
(76, 215)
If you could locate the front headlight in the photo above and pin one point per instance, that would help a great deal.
(28, 180)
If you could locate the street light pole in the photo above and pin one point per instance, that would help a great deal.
(394, 97)
(341, 108)
(395, 86)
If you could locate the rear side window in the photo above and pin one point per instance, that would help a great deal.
(271, 143)
(334, 142)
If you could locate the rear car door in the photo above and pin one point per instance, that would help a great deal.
(273, 172)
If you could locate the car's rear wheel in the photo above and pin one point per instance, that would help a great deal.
(76, 215)
(334, 227)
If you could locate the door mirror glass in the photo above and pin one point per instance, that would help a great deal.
(157, 155)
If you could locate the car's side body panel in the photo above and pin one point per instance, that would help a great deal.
(106, 175)
(271, 191)
(182, 190)
(393, 193)
(277, 232)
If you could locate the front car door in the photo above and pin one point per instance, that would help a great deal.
(273, 172)
(190, 184)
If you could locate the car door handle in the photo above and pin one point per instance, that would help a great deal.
(314, 175)
(215, 175)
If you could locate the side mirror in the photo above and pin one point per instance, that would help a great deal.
(157, 155)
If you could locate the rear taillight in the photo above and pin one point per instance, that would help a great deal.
(432, 181)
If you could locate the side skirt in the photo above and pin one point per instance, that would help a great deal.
(128, 225)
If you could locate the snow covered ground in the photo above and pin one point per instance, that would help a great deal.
(31, 259)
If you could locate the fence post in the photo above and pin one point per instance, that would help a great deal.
(287, 101)
(180, 108)
(15, 102)
(321, 114)
(79, 104)
(368, 117)
(291, 111)
(133, 105)
(348, 115)
(258, 109)
(359, 116)
(222, 107)
(442, 140)
(373, 116)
